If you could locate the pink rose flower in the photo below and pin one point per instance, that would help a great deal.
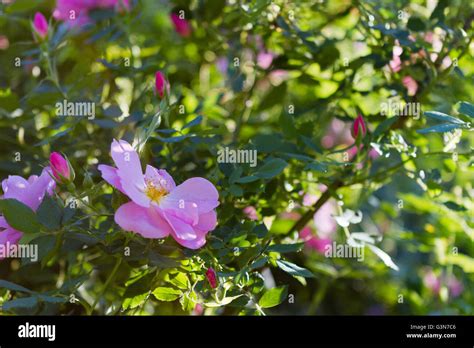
(40, 25)
(60, 167)
(324, 220)
(181, 25)
(265, 59)
(211, 277)
(431, 281)
(314, 242)
(29, 192)
(76, 12)
(161, 84)
(455, 287)
(359, 127)
(251, 213)
(158, 207)
(410, 84)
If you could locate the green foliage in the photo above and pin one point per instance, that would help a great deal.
(410, 175)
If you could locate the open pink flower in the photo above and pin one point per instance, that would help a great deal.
(40, 25)
(158, 207)
(29, 192)
(76, 12)
(181, 25)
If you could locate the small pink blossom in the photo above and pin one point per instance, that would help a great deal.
(410, 84)
(324, 220)
(198, 309)
(161, 84)
(359, 127)
(313, 241)
(309, 199)
(432, 281)
(455, 287)
(265, 59)
(40, 25)
(181, 25)
(158, 208)
(211, 277)
(395, 64)
(60, 167)
(251, 213)
(29, 192)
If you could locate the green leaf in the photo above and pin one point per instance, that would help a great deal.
(192, 123)
(384, 126)
(271, 168)
(19, 216)
(454, 206)
(13, 287)
(316, 166)
(247, 179)
(416, 24)
(180, 280)
(25, 302)
(223, 302)
(166, 294)
(467, 109)
(286, 248)
(273, 297)
(441, 128)
(443, 117)
(188, 301)
(293, 269)
(49, 213)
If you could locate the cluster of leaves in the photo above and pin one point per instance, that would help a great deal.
(330, 62)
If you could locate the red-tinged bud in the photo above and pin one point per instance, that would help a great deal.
(61, 168)
(40, 25)
(359, 127)
(162, 85)
(181, 25)
(211, 277)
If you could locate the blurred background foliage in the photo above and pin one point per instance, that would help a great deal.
(287, 79)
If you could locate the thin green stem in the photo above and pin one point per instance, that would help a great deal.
(118, 262)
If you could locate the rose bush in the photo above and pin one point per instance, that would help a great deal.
(314, 157)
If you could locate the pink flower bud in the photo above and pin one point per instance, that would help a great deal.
(40, 25)
(211, 277)
(60, 167)
(358, 126)
(161, 84)
(181, 25)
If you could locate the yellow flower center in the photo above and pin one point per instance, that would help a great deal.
(155, 193)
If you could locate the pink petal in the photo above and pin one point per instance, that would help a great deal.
(196, 190)
(207, 222)
(144, 221)
(130, 171)
(181, 229)
(161, 177)
(10, 235)
(40, 24)
(110, 175)
(3, 222)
